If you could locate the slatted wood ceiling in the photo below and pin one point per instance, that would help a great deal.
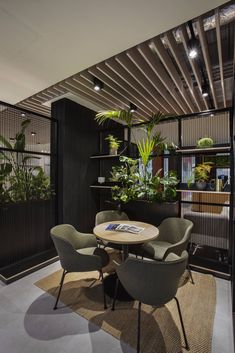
(156, 75)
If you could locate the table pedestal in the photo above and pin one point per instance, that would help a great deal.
(109, 288)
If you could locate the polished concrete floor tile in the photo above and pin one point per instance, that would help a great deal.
(29, 324)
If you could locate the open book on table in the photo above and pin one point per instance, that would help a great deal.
(124, 228)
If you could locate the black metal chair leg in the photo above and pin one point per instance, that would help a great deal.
(115, 294)
(60, 287)
(138, 328)
(104, 296)
(182, 324)
(190, 274)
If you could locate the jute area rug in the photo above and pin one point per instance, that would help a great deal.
(160, 328)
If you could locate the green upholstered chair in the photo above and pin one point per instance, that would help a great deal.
(153, 283)
(77, 252)
(110, 216)
(174, 236)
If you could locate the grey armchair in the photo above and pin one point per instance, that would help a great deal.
(77, 252)
(174, 236)
(153, 283)
(110, 216)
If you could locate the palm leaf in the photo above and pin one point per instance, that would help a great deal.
(5, 143)
(145, 148)
(123, 115)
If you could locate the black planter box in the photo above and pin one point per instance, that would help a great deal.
(151, 212)
(25, 230)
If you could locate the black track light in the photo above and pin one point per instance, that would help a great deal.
(205, 90)
(98, 85)
(133, 107)
(192, 48)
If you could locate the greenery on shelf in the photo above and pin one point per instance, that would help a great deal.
(133, 186)
(131, 183)
(18, 180)
(113, 141)
(201, 173)
(205, 142)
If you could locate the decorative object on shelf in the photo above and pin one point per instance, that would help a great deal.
(101, 180)
(205, 142)
(20, 181)
(114, 144)
(202, 174)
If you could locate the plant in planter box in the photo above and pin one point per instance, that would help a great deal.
(114, 144)
(18, 180)
(202, 174)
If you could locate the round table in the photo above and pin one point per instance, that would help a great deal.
(124, 239)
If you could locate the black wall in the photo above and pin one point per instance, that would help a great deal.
(78, 139)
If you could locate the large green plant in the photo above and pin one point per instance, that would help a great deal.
(132, 186)
(18, 180)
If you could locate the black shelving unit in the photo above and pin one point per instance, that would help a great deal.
(208, 258)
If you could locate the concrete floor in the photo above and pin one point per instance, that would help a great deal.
(28, 323)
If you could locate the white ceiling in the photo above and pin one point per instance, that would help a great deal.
(45, 41)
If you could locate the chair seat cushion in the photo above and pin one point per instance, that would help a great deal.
(156, 249)
(96, 251)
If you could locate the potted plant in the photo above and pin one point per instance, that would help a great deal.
(202, 174)
(205, 142)
(114, 144)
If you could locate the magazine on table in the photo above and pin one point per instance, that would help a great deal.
(124, 228)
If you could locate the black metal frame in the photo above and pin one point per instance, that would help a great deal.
(180, 119)
(28, 262)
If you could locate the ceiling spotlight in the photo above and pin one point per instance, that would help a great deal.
(133, 107)
(33, 133)
(192, 44)
(98, 85)
(23, 115)
(192, 48)
(205, 90)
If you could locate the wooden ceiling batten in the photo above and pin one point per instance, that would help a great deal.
(160, 101)
(81, 93)
(90, 91)
(122, 87)
(206, 56)
(115, 88)
(183, 68)
(193, 63)
(219, 46)
(120, 101)
(151, 76)
(132, 85)
(166, 60)
(158, 74)
(158, 68)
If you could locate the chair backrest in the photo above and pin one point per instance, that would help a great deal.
(174, 230)
(110, 215)
(152, 282)
(62, 236)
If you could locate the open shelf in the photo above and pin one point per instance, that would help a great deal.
(100, 186)
(204, 191)
(104, 156)
(204, 150)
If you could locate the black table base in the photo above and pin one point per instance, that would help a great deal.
(109, 288)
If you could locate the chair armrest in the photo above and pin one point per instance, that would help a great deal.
(84, 240)
(177, 248)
